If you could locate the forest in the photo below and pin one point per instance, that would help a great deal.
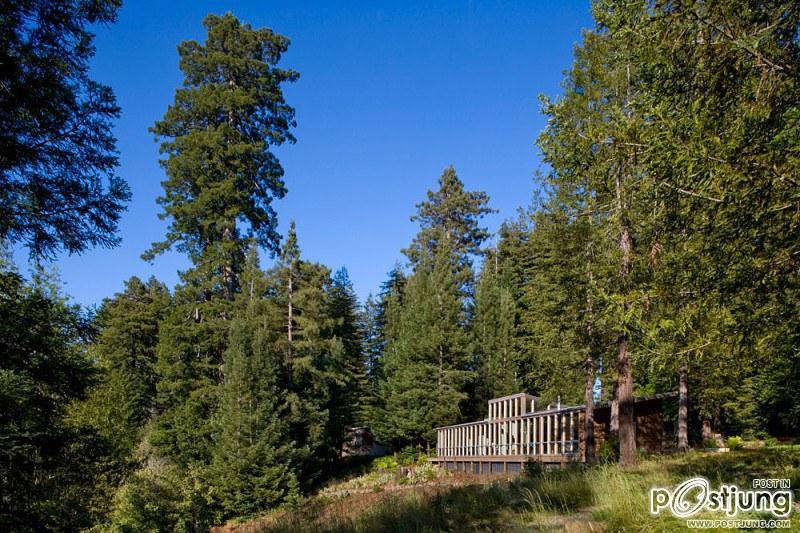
(661, 254)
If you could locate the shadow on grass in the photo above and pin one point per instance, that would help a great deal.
(466, 508)
(738, 467)
(616, 497)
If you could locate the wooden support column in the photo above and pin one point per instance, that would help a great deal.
(571, 432)
(549, 434)
(450, 442)
(543, 435)
(528, 436)
(472, 440)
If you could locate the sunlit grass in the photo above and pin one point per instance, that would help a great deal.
(602, 498)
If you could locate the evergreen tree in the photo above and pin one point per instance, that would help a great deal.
(383, 325)
(494, 332)
(723, 145)
(453, 214)
(350, 397)
(372, 349)
(372, 341)
(217, 135)
(253, 459)
(58, 190)
(592, 143)
(300, 293)
(49, 465)
(124, 401)
(427, 363)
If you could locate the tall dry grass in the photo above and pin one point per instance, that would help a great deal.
(602, 498)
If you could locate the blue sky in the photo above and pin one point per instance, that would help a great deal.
(389, 95)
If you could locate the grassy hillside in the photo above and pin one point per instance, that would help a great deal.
(604, 498)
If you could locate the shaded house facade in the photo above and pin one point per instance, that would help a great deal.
(518, 429)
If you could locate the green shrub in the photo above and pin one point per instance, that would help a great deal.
(709, 443)
(385, 464)
(407, 456)
(771, 442)
(609, 451)
(533, 468)
(735, 443)
(424, 472)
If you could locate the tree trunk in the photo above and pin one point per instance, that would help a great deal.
(614, 421)
(290, 314)
(588, 421)
(627, 434)
(289, 327)
(589, 364)
(683, 409)
(706, 431)
(229, 278)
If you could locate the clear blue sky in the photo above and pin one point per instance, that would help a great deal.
(389, 95)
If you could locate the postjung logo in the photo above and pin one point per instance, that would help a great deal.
(695, 495)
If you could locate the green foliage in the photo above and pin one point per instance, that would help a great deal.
(58, 190)
(351, 395)
(735, 443)
(608, 451)
(162, 498)
(494, 329)
(426, 365)
(427, 368)
(49, 464)
(217, 136)
(388, 463)
(253, 459)
(451, 213)
(122, 403)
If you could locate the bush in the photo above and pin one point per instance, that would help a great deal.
(735, 443)
(423, 473)
(385, 464)
(609, 451)
(771, 442)
(409, 456)
(533, 468)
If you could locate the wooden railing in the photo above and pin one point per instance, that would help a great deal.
(554, 432)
